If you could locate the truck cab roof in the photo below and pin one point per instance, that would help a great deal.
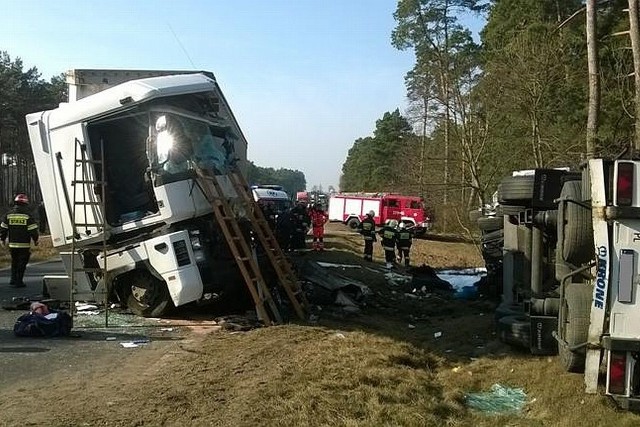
(125, 95)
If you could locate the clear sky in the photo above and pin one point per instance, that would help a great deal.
(305, 78)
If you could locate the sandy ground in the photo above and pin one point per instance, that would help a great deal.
(93, 380)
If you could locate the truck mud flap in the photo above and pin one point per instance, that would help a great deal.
(542, 331)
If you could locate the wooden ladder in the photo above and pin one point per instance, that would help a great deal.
(213, 188)
(286, 276)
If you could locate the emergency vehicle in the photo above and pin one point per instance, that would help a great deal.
(351, 208)
(272, 196)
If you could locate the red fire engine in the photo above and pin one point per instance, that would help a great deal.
(350, 208)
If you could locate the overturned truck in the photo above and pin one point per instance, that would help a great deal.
(571, 276)
(116, 165)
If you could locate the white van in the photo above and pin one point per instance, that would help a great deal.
(271, 197)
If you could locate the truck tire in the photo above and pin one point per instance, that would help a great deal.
(573, 325)
(147, 296)
(515, 330)
(490, 223)
(575, 231)
(353, 223)
(516, 190)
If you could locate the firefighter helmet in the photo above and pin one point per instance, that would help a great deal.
(371, 214)
(402, 225)
(21, 199)
(393, 223)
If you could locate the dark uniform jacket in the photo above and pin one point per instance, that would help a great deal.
(368, 228)
(388, 238)
(300, 217)
(403, 237)
(20, 226)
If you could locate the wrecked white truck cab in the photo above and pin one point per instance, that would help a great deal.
(117, 173)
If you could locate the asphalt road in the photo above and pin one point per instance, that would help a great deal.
(26, 359)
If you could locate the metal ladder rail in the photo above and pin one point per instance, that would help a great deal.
(81, 176)
(286, 275)
(239, 248)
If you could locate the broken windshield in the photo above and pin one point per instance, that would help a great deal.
(184, 143)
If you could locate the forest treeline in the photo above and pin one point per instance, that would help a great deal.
(516, 99)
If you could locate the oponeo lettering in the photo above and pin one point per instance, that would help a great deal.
(601, 279)
(539, 334)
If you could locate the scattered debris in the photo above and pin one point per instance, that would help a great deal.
(327, 287)
(396, 279)
(129, 344)
(437, 334)
(85, 307)
(238, 323)
(410, 326)
(330, 264)
(89, 312)
(135, 343)
(500, 400)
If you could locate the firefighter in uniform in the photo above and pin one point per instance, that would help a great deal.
(403, 241)
(284, 230)
(20, 227)
(388, 234)
(368, 230)
(318, 220)
(301, 222)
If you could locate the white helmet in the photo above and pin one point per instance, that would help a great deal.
(402, 225)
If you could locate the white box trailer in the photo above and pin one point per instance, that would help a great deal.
(141, 138)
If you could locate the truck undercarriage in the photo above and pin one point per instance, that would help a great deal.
(568, 255)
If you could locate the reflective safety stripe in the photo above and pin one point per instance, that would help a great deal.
(19, 245)
(368, 237)
(3, 225)
(32, 227)
(389, 248)
(17, 219)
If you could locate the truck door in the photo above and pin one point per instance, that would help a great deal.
(391, 209)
